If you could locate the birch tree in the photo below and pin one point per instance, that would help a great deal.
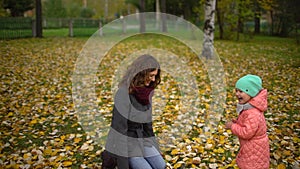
(209, 27)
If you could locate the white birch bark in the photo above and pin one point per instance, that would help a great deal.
(209, 27)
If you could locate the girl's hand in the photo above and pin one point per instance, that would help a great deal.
(228, 125)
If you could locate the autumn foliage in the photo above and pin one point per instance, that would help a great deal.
(40, 129)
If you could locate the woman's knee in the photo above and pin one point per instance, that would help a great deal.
(139, 163)
(161, 165)
(157, 162)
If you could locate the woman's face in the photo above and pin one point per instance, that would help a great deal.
(151, 77)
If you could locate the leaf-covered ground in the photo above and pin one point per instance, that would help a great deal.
(40, 129)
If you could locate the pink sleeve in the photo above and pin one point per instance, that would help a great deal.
(248, 128)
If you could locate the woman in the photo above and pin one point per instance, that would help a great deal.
(131, 141)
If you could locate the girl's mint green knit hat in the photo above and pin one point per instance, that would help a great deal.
(250, 84)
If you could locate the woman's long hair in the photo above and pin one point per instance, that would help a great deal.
(138, 72)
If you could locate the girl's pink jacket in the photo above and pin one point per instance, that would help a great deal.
(251, 130)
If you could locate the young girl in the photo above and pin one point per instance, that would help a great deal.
(131, 142)
(250, 126)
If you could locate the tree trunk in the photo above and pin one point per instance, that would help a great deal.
(157, 6)
(209, 27)
(39, 28)
(257, 15)
(284, 27)
(297, 36)
(187, 11)
(257, 24)
(164, 17)
(220, 21)
(84, 3)
(272, 22)
(142, 17)
(106, 9)
(239, 28)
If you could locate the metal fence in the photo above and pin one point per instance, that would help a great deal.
(11, 28)
(16, 28)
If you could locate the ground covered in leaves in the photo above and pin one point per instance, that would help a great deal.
(40, 129)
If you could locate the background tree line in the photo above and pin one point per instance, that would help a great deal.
(282, 16)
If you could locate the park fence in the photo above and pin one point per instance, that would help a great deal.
(16, 28)
(11, 28)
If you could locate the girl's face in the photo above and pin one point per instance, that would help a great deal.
(242, 96)
(151, 77)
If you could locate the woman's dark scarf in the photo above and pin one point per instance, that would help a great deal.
(143, 94)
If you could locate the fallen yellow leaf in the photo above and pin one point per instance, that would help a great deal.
(67, 163)
(177, 165)
(281, 166)
(174, 152)
(32, 122)
(77, 139)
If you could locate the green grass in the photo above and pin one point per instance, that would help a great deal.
(15, 33)
(64, 32)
